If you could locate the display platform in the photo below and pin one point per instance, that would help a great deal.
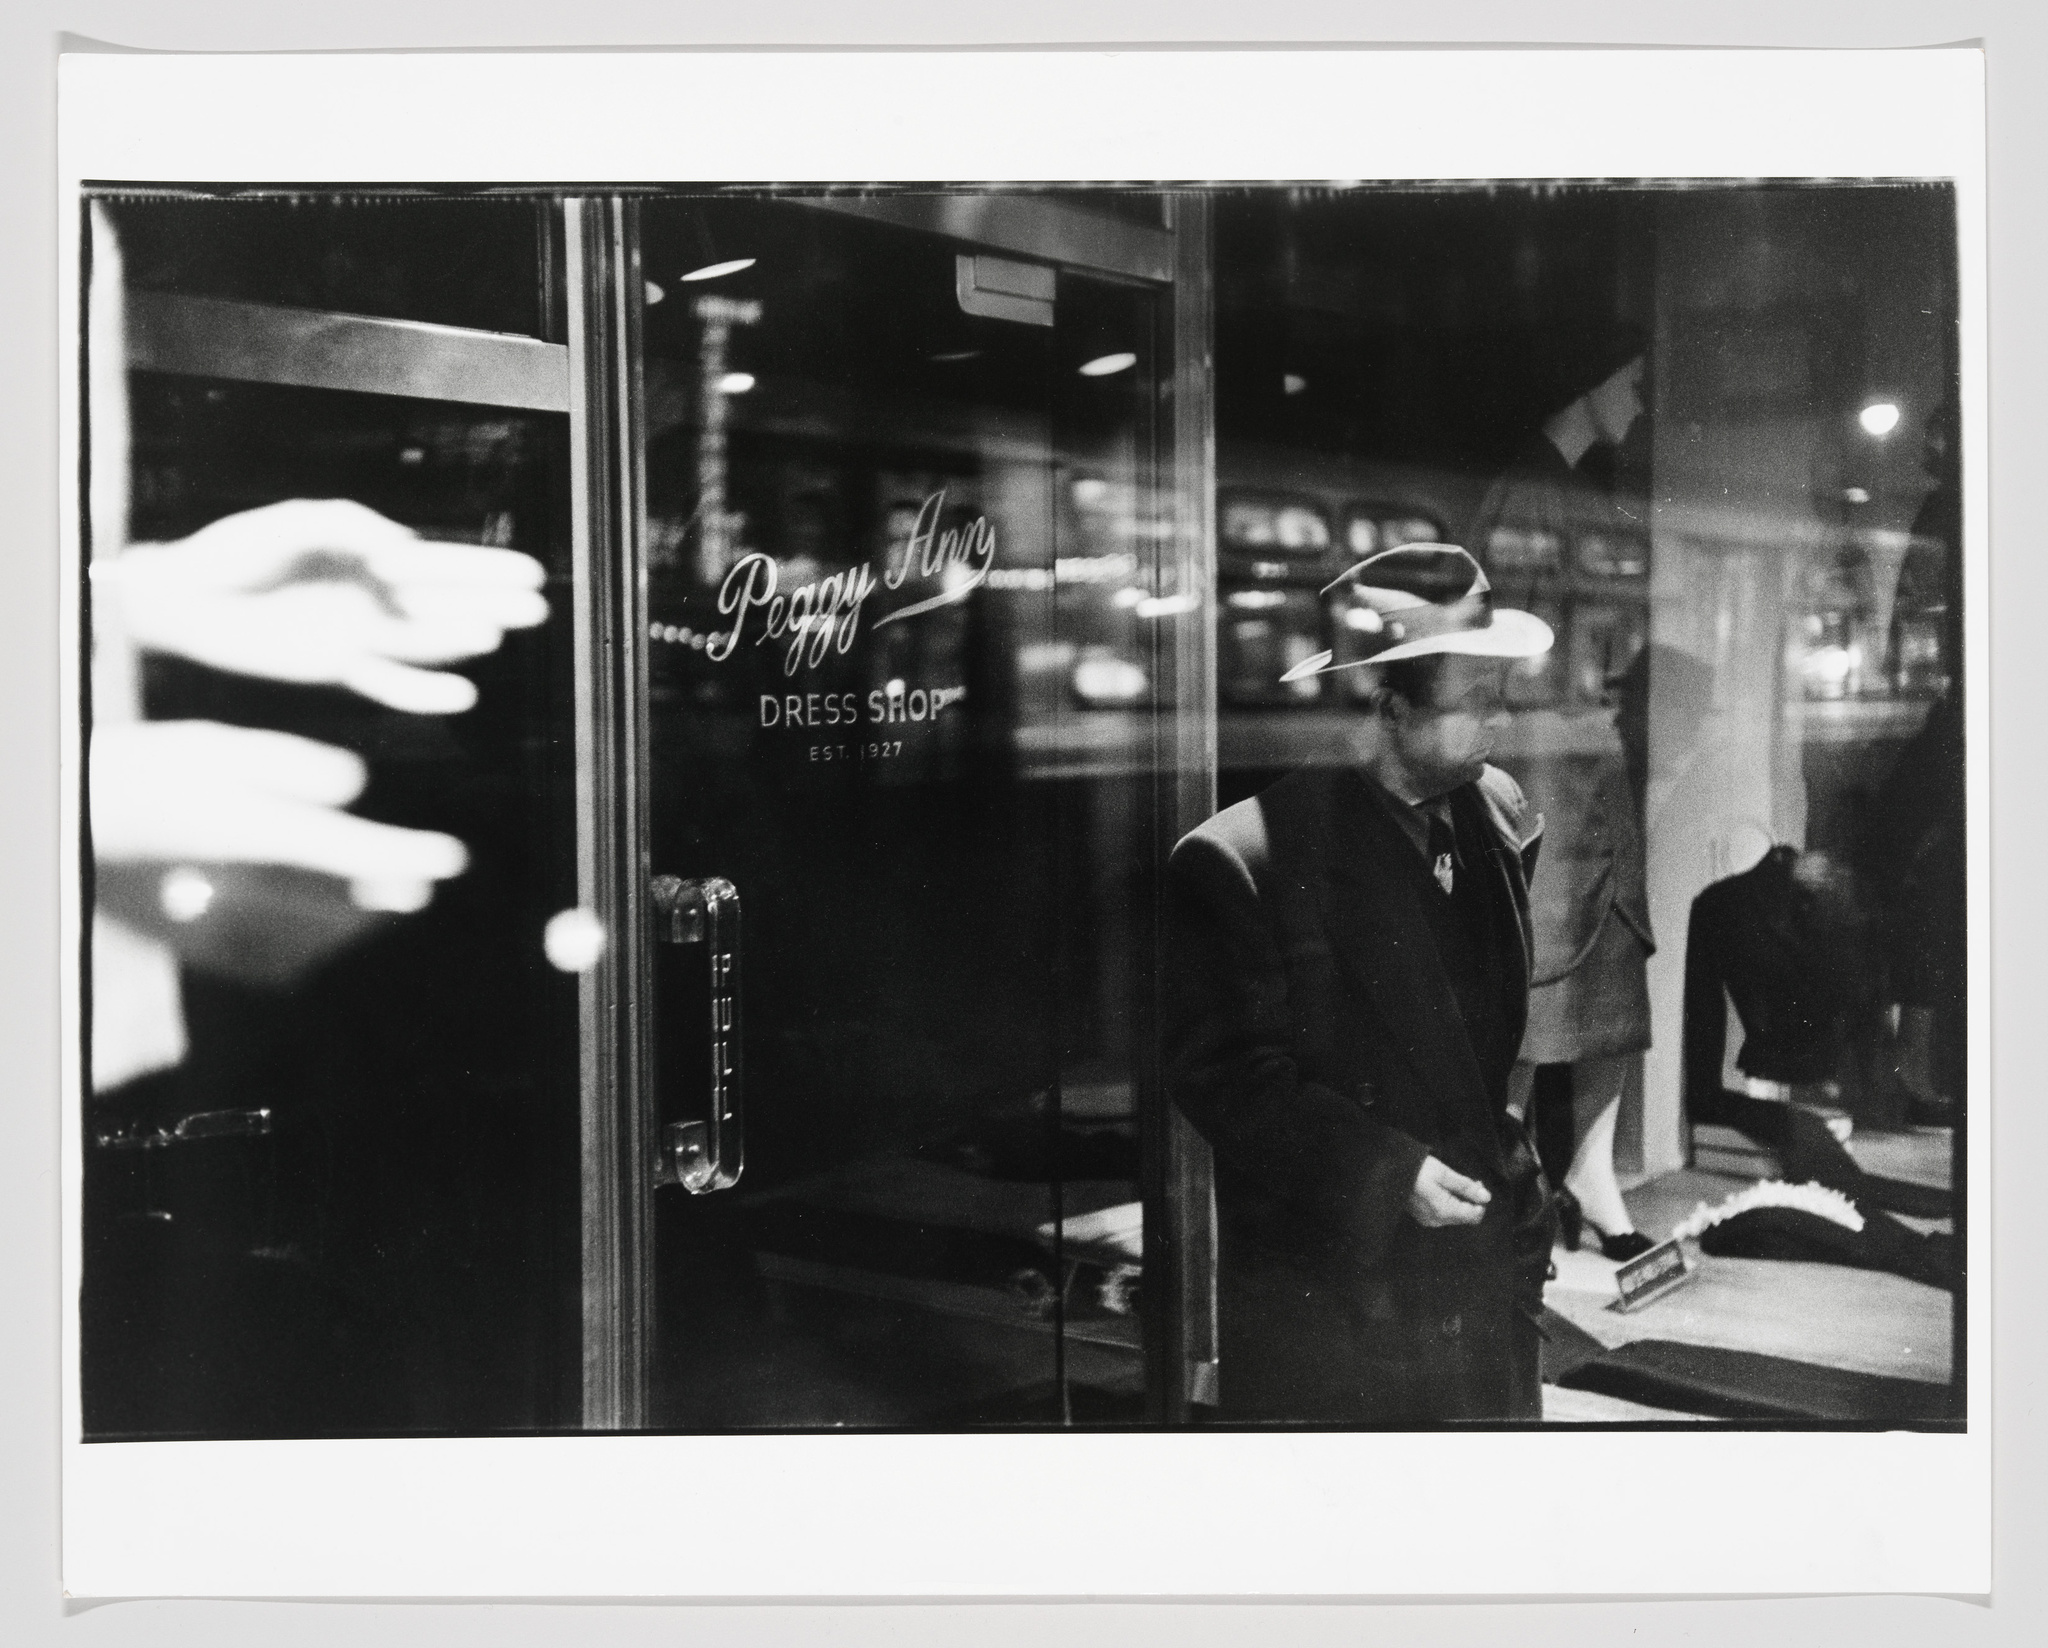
(1843, 1343)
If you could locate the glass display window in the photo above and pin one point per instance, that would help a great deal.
(1605, 640)
(1605, 553)
(1274, 525)
(785, 632)
(1263, 633)
(1374, 526)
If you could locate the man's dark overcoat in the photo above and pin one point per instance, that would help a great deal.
(1314, 1039)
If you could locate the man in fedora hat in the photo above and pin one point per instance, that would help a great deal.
(1347, 978)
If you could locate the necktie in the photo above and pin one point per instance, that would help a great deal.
(1443, 847)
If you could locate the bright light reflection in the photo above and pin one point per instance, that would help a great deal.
(1167, 606)
(184, 894)
(735, 383)
(711, 271)
(1103, 365)
(573, 940)
(1109, 680)
(1294, 383)
(1127, 597)
(1879, 417)
(654, 293)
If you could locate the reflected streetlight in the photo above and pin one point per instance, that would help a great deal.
(1879, 418)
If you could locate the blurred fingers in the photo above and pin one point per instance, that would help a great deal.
(142, 771)
(241, 795)
(340, 844)
(401, 687)
(506, 607)
(428, 561)
(400, 897)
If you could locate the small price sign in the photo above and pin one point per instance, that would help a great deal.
(1650, 1276)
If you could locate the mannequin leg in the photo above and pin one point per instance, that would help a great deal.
(1596, 1106)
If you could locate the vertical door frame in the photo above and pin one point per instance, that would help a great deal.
(1179, 1297)
(602, 282)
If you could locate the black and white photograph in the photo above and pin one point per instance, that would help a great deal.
(657, 860)
(763, 808)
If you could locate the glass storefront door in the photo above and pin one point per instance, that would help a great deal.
(901, 500)
(776, 1060)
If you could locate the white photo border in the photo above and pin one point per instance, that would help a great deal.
(1323, 1514)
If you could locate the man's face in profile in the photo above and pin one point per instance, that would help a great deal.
(1447, 741)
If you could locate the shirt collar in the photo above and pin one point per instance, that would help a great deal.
(1411, 818)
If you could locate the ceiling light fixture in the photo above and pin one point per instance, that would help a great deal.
(1103, 365)
(711, 271)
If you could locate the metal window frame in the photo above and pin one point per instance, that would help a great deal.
(1031, 226)
(365, 354)
(1179, 1297)
(607, 477)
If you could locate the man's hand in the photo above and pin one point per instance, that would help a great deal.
(326, 592)
(1443, 1197)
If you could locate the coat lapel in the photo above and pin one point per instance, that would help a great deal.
(1381, 935)
(1505, 861)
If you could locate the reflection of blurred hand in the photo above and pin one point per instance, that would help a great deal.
(198, 790)
(325, 592)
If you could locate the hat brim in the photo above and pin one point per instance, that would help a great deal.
(1512, 634)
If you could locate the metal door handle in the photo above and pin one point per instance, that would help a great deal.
(703, 1156)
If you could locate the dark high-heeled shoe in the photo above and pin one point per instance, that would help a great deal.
(1573, 1225)
(1630, 1244)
